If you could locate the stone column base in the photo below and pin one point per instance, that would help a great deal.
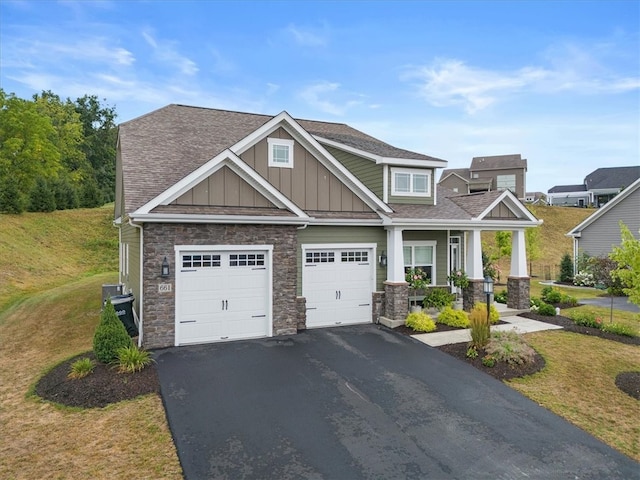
(396, 303)
(518, 296)
(301, 313)
(472, 294)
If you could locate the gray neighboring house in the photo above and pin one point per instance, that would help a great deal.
(237, 225)
(598, 188)
(498, 172)
(600, 232)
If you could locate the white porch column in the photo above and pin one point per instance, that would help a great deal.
(474, 255)
(395, 257)
(518, 254)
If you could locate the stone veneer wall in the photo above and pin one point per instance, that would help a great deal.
(378, 306)
(159, 240)
(518, 293)
(301, 305)
(396, 300)
(472, 294)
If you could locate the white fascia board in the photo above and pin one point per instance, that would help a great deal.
(601, 211)
(225, 158)
(229, 219)
(424, 224)
(346, 221)
(287, 122)
(380, 160)
(512, 203)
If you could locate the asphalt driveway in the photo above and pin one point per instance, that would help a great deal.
(362, 402)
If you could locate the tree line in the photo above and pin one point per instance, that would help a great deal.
(56, 154)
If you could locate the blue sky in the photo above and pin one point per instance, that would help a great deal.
(558, 82)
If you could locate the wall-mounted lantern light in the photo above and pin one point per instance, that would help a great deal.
(165, 268)
(383, 259)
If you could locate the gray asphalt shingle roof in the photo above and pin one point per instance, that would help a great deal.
(160, 148)
(496, 162)
(449, 206)
(612, 177)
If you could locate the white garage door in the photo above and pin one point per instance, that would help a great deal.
(222, 295)
(337, 284)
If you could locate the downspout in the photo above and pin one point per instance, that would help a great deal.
(141, 316)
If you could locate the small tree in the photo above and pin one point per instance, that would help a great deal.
(110, 335)
(566, 269)
(627, 255)
(11, 198)
(532, 242)
(42, 197)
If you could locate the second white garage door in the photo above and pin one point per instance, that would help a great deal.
(337, 283)
(222, 295)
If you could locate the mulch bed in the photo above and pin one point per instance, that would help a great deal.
(103, 386)
(628, 382)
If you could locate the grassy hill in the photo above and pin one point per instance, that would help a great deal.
(45, 250)
(552, 240)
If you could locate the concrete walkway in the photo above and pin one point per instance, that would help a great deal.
(514, 322)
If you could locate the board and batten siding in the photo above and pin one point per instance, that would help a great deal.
(442, 250)
(342, 235)
(598, 238)
(365, 170)
(130, 236)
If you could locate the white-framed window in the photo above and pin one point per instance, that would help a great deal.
(421, 254)
(506, 182)
(410, 182)
(280, 152)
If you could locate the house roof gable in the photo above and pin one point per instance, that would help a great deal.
(576, 231)
(498, 162)
(462, 173)
(611, 177)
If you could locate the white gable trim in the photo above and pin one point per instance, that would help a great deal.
(380, 160)
(600, 212)
(465, 180)
(287, 122)
(512, 204)
(235, 163)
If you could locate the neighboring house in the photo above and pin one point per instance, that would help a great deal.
(599, 187)
(600, 232)
(535, 198)
(236, 225)
(499, 172)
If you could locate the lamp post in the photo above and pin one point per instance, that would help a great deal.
(488, 290)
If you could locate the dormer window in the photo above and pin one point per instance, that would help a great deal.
(410, 182)
(280, 152)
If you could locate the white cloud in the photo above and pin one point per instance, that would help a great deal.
(328, 98)
(167, 53)
(568, 68)
(308, 37)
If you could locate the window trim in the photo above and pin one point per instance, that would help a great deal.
(411, 172)
(282, 142)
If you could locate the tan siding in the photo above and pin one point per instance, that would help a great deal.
(216, 188)
(452, 182)
(314, 234)
(311, 185)
(501, 211)
(201, 193)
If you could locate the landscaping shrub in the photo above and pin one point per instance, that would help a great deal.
(566, 269)
(110, 335)
(480, 330)
(584, 279)
(551, 295)
(81, 368)
(420, 322)
(619, 329)
(568, 300)
(535, 303)
(546, 309)
(509, 347)
(453, 318)
(501, 297)
(438, 298)
(494, 315)
(132, 359)
(489, 361)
